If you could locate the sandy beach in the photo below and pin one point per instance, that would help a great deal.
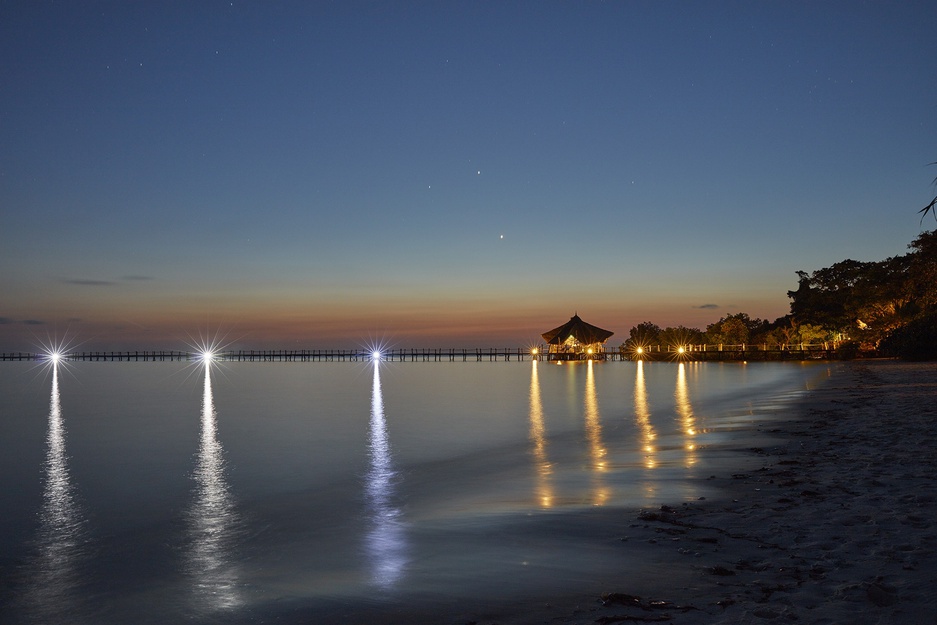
(836, 522)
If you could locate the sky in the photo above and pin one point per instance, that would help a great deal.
(446, 174)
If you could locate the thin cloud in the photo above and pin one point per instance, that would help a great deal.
(33, 322)
(138, 278)
(87, 282)
(5, 321)
(707, 306)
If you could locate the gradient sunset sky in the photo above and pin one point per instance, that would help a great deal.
(322, 174)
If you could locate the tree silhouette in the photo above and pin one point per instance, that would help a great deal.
(932, 207)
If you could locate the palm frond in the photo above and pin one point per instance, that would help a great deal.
(931, 208)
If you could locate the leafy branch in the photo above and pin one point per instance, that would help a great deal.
(932, 207)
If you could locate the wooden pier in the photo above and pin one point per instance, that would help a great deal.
(706, 353)
(304, 355)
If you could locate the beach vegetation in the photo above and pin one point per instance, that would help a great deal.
(916, 340)
(643, 334)
(866, 303)
(852, 307)
(680, 336)
(738, 329)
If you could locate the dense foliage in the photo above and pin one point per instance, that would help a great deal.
(870, 302)
(889, 306)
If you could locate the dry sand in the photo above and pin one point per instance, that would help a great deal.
(838, 524)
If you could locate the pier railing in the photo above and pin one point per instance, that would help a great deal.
(489, 354)
(303, 355)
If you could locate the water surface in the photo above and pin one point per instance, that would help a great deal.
(298, 492)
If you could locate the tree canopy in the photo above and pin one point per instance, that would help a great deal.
(889, 305)
(867, 301)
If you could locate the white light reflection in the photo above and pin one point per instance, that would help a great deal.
(213, 519)
(544, 491)
(53, 591)
(597, 451)
(208, 356)
(642, 415)
(687, 418)
(385, 541)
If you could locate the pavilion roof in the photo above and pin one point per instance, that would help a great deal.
(585, 333)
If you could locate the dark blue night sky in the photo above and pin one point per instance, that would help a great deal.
(445, 173)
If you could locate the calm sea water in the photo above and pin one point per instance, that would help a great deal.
(288, 492)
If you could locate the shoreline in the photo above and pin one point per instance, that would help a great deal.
(839, 523)
(829, 520)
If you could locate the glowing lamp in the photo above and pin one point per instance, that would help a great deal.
(681, 350)
(534, 351)
(640, 350)
(375, 355)
(54, 357)
(589, 350)
(207, 356)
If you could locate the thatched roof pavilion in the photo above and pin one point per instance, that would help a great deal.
(577, 339)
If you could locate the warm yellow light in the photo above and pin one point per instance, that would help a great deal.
(589, 350)
(534, 351)
(680, 350)
(640, 350)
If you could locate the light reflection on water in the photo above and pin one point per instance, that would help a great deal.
(385, 541)
(319, 486)
(54, 588)
(597, 452)
(544, 489)
(687, 418)
(642, 416)
(213, 519)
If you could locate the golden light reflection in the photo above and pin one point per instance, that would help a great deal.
(642, 415)
(597, 452)
(213, 519)
(61, 524)
(385, 541)
(685, 411)
(544, 488)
